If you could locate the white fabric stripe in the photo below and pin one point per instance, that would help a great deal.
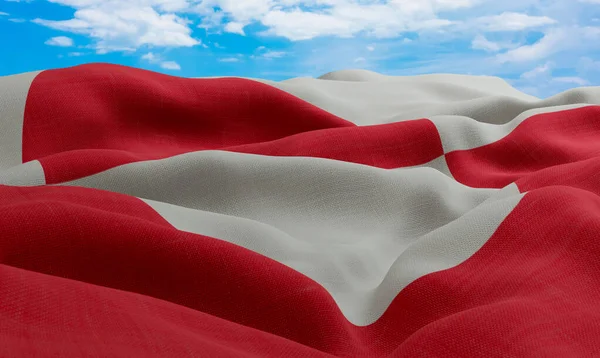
(438, 164)
(350, 227)
(462, 133)
(404, 98)
(26, 174)
(354, 274)
(367, 98)
(13, 95)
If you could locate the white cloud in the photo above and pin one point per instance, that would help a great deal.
(540, 81)
(210, 19)
(545, 69)
(61, 41)
(229, 59)
(163, 5)
(300, 25)
(453, 4)
(150, 57)
(157, 59)
(274, 54)
(306, 19)
(236, 28)
(574, 80)
(170, 65)
(16, 20)
(512, 21)
(555, 40)
(586, 64)
(552, 42)
(4, 13)
(497, 30)
(482, 43)
(243, 11)
(119, 25)
(263, 52)
(124, 25)
(75, 54)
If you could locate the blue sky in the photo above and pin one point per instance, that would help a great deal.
(541, 47)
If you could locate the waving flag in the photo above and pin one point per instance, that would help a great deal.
(353, 215)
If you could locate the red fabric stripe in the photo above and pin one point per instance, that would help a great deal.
(151, 115)
(531, 290)
(581, 175)
(386, 146)
(49, 316)
(112, 240)
(541, 141)
(86, 119)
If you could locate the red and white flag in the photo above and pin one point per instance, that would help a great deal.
(353, 215)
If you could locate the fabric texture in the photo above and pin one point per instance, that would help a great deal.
(351, 215)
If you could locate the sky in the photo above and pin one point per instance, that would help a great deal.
(541, 47)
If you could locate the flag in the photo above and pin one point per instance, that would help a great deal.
(351, 215)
